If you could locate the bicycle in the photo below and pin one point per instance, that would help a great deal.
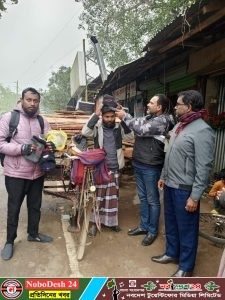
(212, 227)
(81, 191)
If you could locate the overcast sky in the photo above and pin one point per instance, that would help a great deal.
(36, 38)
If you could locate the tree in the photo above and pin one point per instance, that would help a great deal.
(123, 27)
(58, 93)
(2, 5)
(7, 99)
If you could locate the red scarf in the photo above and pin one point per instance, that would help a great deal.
(189, 117)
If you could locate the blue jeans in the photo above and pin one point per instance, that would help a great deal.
(146, 180)
(181, 228)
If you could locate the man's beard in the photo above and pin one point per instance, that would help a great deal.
(30, 113)
(109, 125)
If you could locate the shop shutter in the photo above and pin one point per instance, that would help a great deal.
(155, 88)
(186, 82)
(173, 74)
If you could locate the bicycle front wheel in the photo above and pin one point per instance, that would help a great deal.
(212, 227)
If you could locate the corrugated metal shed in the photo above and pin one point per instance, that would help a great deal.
(206, 26)
(177, 26)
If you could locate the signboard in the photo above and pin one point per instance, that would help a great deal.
(130, 89)
(77, 75)
(120, 94)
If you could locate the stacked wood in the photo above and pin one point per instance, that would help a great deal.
(70, 122)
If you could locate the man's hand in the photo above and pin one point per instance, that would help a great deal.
(120, 114)
(219, 193)
(191, 205)
(98, 110)
(27, 149)
(50, 146)
(161, 184)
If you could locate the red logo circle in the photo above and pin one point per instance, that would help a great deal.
(11, 289)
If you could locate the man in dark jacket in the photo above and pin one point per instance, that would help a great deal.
(148, 158)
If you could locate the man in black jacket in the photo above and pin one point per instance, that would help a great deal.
(148, 158)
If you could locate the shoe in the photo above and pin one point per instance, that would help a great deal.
(164, 259)
(41, 238)
(181, 273)
(7, 251)
(92, 230)
(136, 231)
(148, 239)
(115, 228)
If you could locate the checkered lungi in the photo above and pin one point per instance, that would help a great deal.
(108, 196)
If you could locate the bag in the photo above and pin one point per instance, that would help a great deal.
(101, 174)
(40, 146)
(93, 157)
(13, 123)
(58, 138)
(47, 161)
(77, 172)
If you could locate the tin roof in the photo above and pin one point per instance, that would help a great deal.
(178, 25)
(203, 25)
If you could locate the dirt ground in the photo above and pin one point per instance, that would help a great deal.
(108, 254)
(118, 254)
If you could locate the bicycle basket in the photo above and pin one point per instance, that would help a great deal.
(92, 157)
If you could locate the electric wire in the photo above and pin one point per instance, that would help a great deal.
(49, 44)
(41, 75)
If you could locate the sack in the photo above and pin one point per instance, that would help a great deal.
(58, 138)
(94, 157)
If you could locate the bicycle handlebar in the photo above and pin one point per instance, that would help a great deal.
(66, 155)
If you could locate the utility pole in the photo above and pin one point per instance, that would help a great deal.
(85, 69)
(99, 57)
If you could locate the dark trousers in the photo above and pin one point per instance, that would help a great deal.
(17, 189)
(181, 228)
